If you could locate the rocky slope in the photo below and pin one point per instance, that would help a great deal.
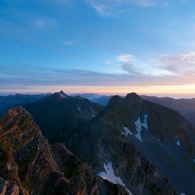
(144, 147)
(184, 106)
(28, 164)
(122, 142)
(140, 140)
(59, 114)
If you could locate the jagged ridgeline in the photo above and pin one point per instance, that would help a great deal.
(135, 146)
(59, 114)
(29, 165)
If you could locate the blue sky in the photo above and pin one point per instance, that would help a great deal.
(100, 46)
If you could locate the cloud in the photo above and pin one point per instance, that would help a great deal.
(110, 62)
(23, 78)
(115, 7)
(45, 23)
(179, 63)
(103, 8)
(127, 61)
(169, 69)
(125, 58)
(177, 66)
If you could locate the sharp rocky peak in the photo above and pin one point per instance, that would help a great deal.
(62, 94)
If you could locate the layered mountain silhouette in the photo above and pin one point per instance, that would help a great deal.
(184, 106)
(11, 101)
(130, 146)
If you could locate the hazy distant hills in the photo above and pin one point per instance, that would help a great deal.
(10, 101)
(96, 98)
(144, 147)
(184, 106)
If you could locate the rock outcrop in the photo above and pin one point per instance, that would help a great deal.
(11, 188)
(28, 164)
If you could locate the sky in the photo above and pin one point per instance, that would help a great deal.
(98, 46)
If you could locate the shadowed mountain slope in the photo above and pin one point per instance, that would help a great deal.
(184, 106)
(145, 146)
(132, 128)
(58, 115)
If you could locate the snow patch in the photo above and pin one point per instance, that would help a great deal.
(145, 124)
(62, 95)
(79, 108)
(127, 131)
(109, 175)
(182, 194)
(93, 112)
(178, 143)
(139, 126)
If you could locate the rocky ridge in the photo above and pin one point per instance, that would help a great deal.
(58, 114)
(144, 147)
(130, 128)
(28, 164)
(100, 141)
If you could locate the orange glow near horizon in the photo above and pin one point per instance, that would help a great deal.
(176, 91)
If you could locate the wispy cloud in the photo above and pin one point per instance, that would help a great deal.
(115, 7)
(127, 62)
(174, 65)
(51, 78)
(45, 23)
(72, 77)
(179, 63)
(125, 58)
(103, 8)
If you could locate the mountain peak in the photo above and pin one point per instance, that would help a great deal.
(132, 95)
(17, 111)
(62, 94)
(59, 95)
(114, 100)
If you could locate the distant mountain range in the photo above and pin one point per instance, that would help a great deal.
(11, 101)
(129, 146)
(186, 107)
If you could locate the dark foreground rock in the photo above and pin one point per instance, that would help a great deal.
(29, 165)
